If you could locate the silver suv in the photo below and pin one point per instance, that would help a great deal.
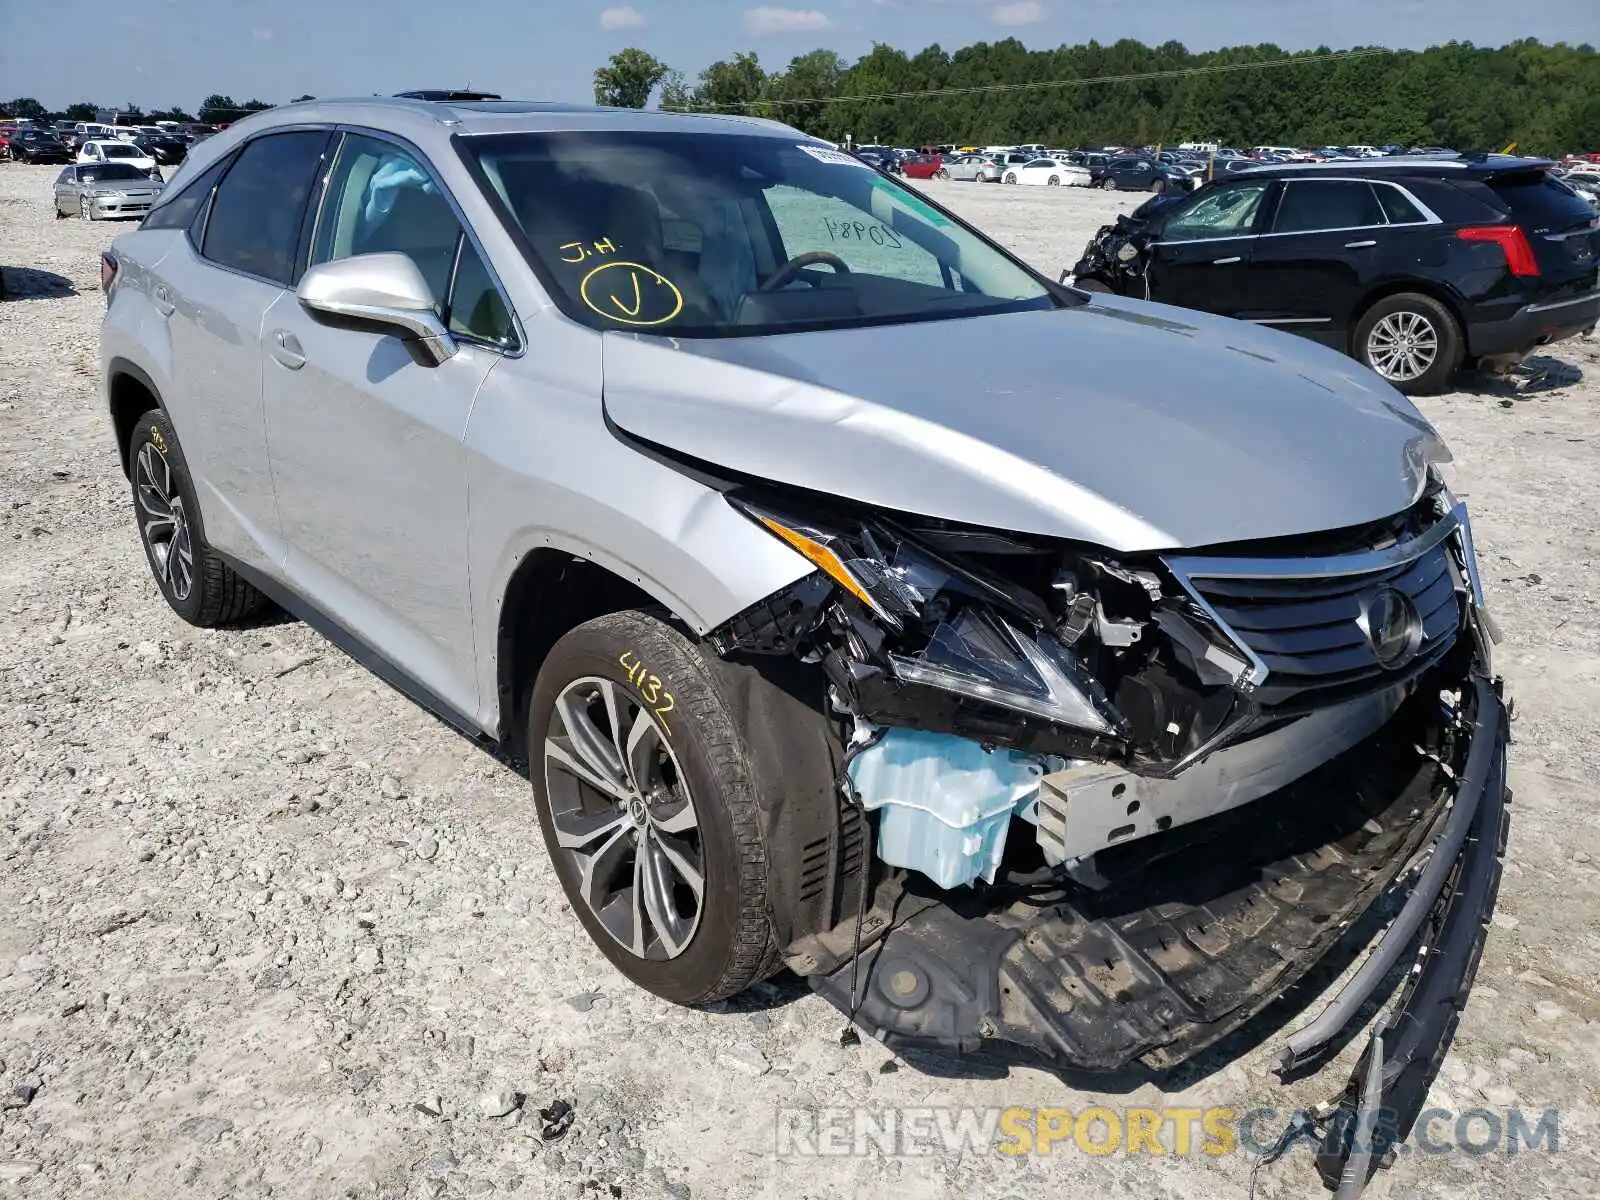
(1075, 707)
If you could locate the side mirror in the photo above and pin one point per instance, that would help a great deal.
(383, 291)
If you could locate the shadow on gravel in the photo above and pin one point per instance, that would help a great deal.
(25, 283)
(1540, 373)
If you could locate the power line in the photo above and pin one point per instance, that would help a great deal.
(1082, 81)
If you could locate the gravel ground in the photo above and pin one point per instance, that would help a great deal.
(270, 930)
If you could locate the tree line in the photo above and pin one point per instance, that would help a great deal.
(1545, 98)
(215, 109)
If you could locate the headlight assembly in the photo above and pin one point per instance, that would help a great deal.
(950, 627)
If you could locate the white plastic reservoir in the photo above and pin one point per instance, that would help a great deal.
(947, 802)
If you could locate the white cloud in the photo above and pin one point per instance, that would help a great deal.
(1024, 12)
(622, 17)
(765, 20)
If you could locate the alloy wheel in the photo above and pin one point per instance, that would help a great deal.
(1403, 346)
(163, 523)
(622, 813)
(1110, 185)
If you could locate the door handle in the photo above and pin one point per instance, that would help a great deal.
(162, 298)
(287, 350)
(1360, 245)
(1222, 262)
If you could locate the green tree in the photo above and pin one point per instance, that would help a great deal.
(82, 111)
(171, 114)
(734, 87)
(217, 108)
(627, 80)
(26, 108)
(675, 92)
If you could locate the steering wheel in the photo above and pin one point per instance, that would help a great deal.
(785, 274)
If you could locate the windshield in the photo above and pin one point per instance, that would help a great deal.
(110, 173)
(717, 235)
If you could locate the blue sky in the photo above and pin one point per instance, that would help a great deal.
(163, 52)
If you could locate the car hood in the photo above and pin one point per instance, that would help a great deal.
(1129, 425)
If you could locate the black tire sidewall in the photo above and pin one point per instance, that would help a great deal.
(708, 970)
(192, 608)
(1436, 377)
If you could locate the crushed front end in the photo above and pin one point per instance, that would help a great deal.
(1118, 804)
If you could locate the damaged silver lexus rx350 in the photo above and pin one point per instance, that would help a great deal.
(1057, 709)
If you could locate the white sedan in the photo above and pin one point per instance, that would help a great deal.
(105, 151)
(1049, 172)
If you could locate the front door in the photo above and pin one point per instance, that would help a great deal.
(366, 440)
(1202, 253)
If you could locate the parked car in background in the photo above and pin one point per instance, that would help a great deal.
(920, 166)
(880, 157)
(1411, 265)
(167, 148)
(89, 131)
(969, 168)
(7, 132)
(904, 629)
(1132, 173)
(96, 190)
(1050, 172)
(38, 146)
(118, 152)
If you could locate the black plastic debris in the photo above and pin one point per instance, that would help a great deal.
(556, 1120)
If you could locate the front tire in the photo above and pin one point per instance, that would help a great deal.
(647, 800)
(943, 174)
(1011, 177)
(1054, 181)
(1109, 185)
(85, 210)
(198, 585)
(1157, 186)
(1412, 340)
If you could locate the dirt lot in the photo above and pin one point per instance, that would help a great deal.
(267, 929)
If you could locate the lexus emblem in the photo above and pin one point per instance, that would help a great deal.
(1392, 627)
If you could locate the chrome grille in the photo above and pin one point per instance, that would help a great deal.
(1300, 621)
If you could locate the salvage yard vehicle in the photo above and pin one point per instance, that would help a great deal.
(1413, 266)
(972, 168)
(1065, 712)
(97, 190)
(1049, 172)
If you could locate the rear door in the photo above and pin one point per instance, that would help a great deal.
(1325, 248)
(215, 286)
(1201, 256)
(366, 441)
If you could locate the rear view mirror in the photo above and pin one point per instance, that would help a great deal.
(384, 291)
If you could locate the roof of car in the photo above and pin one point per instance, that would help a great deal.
(1414, 164)
(505, 116)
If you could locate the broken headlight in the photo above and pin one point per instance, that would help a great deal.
(951, 627)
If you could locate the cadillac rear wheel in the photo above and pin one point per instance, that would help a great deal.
(645, 794)
(1411, 340)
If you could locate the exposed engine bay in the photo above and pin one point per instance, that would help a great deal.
(984, 678)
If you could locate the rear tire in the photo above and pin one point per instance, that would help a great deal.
(943, 174)
(1412, 340)
(1158, 186)
(1011, 177)
(199, 586)
(1054, 181)
(629, 696)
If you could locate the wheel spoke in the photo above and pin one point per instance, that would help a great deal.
(640, 752)
(656, 884)
(597, 750)
(598, 871)
(685, 869)
(587, 830)
(571, 763)
(678, 821)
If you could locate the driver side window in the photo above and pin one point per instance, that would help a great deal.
(381, 199)
(809, 221)
(1226, 212)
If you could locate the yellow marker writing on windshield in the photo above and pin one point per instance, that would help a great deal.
(630, 293)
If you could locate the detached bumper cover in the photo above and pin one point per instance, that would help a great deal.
(1143, 970)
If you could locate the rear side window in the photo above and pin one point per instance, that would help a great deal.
(1311, 205)
(1541, 201)
(181, 210)
(1397, 206)
(261, 203)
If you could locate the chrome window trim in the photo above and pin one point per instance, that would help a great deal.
(1430, 217)
(344, 129)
